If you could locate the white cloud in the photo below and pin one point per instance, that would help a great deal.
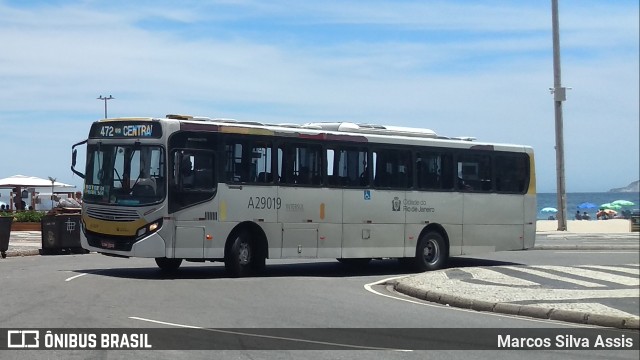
(460, 69)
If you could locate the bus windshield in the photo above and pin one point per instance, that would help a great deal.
(125, 174)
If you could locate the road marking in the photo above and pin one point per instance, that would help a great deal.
(369, 288)
(623, 280)
(83, 274)
(553, 276)
(267, 336)
(77, 276)
(635, 272)
(595, 252)
(496, 277)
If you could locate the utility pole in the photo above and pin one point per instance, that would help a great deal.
(559, 95)
(105, 99)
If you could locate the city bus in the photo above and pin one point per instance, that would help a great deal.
(186, 188)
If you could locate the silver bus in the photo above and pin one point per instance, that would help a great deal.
(186, 188)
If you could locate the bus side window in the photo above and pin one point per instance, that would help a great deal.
(511, 173)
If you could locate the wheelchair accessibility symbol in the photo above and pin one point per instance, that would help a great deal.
(367, 195)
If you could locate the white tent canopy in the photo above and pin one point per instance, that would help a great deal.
(31, 182)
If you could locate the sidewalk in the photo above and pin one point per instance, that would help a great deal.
(493, 290)
(24, 243)
(490, 290)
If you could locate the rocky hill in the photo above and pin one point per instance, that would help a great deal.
(633, 187)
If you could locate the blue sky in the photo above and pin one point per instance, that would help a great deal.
(461, 68)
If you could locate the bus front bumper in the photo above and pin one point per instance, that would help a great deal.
(152, 246)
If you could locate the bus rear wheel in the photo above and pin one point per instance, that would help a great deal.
(431, 252)
(242, 257)
(166, 264)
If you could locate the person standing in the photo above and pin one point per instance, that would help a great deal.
(17, 200)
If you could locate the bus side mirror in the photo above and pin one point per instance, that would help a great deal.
(74, 157)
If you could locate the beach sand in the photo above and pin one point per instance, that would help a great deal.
(587, 226)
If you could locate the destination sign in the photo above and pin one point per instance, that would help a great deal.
(126, 129)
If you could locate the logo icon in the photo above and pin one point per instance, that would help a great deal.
(395, 204)
(22, 339)
(71, 225)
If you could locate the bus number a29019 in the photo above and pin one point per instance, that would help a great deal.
(263, 202)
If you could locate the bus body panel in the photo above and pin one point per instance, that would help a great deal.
(530, 204)
(490, 238)
(371, 206)
(373, 240)
(329, 240)
(189, 240)
(373, 223)
(245, 202)
(492, 222)
(455, 235)
(299, 240)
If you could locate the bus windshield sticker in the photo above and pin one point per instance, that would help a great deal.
(94, 190)
(367, 195)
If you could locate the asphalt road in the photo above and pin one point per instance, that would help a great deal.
(95, 291)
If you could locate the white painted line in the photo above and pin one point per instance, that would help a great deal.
(267, 336)
(496, 277)
(635, 272)
(77, 276)
(553, 276)
(369, 288)
(595, 252)
(623, 280)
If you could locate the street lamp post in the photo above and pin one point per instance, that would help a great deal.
(53, 180)
(105, 99)
(559, 95)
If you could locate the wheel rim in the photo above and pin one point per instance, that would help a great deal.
(244, 253)
(431, 252)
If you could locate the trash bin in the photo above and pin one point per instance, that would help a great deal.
(635, 220)
(50, 242)
(5, 233)
(61, 233)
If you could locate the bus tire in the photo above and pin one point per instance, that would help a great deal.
(168, 265)
(242, 257)
(431, 253)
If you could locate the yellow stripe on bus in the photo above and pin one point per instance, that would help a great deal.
(223, 210)
(113, 227)
(245, 131)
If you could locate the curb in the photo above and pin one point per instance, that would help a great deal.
(537, 312)
(20, 252)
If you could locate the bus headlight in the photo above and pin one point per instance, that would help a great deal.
(150, 228)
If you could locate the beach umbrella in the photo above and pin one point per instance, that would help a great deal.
(549, 209)
(622, 203)
(610, 206)
(587, 205)
(610, 212)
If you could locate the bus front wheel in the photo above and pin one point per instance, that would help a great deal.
(166, 264)
(242, 257)
(431, 253)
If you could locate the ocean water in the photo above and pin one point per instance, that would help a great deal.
(574, 199)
